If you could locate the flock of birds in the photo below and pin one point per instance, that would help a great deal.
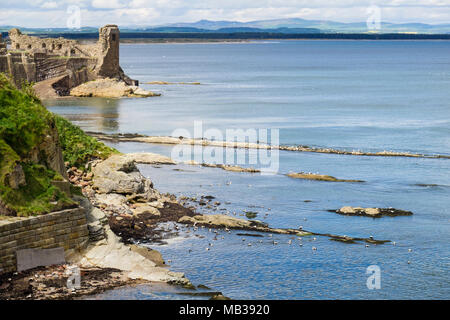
(291, 241)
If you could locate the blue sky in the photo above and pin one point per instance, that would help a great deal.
(53, 13)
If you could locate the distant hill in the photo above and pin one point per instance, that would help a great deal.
(278, 26)
(321, 25)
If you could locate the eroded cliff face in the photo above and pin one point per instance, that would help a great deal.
(32, 171)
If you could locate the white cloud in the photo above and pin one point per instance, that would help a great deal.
(51, 13)
(49, 5)
(107, 4)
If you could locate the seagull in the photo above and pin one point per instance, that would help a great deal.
(274, 242)
(371, 237)
(393, 243)
(249, 244)
(300, 228)
(409, 250)
(314, 238)
(290, 242)
(207, 249)
(314, 248)
(367, 245)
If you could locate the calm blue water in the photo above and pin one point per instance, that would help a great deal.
(373, 96)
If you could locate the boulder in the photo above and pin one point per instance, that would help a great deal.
(142, 208)
(119, 174)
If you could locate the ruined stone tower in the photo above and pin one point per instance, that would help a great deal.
(69, 62)
(108, 41)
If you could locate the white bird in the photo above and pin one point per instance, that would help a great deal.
(290, 242)
(409, 250)
(314, 248)
(207, 249)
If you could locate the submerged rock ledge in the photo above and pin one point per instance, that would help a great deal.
(372, 212)
(319, 177)
(127, 137)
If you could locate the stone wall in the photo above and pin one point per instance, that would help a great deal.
(67, 229)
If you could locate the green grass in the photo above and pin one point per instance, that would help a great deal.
(24, 122)
(78, 148)
(38, 196)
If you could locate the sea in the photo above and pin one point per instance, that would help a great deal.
(370, 96)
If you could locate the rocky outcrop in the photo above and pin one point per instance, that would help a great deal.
(372, 212)
(16, 178)
(149, 158)
(319, 177)
(109, 88)
(119, 174)
(224, 221)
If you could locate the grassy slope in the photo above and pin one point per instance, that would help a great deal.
(23, 123)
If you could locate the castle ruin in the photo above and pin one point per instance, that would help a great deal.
(68, 62)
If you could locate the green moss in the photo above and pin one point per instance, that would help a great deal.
(78, 148)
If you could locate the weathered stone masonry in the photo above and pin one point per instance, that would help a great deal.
(67, 229)
(69, 62)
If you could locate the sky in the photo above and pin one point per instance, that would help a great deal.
(53, 13)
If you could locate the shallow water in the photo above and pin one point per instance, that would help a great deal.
(373, 96)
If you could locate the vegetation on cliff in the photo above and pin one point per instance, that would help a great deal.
(27, 180)
(77, 147)
(25, 186)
